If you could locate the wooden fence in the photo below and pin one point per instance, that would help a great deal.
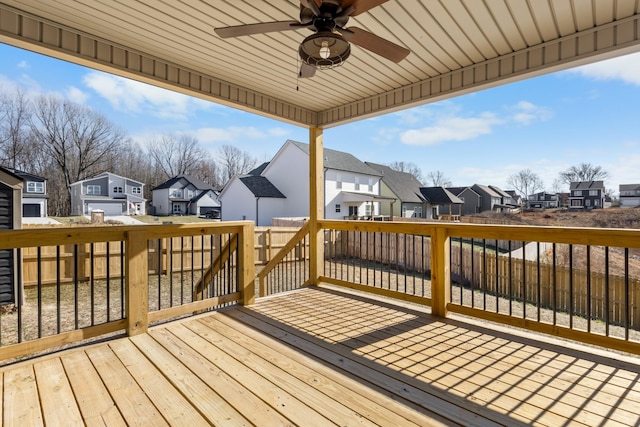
(190, 253)
(510, 277)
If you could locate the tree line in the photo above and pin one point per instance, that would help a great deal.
(66, 142)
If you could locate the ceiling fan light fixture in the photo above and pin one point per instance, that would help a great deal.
(324, 50)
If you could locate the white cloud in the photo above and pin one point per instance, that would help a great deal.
(526, 113)
(76, 95)
(623, 68)
(23, 64)
(135, 97)
(451, 129)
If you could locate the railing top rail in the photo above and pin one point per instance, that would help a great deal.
(30, 237)
(629, 238)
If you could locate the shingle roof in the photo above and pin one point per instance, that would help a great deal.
(629, 187)
(440, 196)
(198, 183)
(403, 184)
(261, 186)
(500, 191)
(485, 189)
(259, 169)
(340, 160)
(26, 176)
(585, 185)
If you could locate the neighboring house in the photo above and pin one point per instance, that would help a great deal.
(441, 202)
(543, 200)
(404, 189)
(185, 195)
(586, 195)
(253, 197)
(629, 195)
(110, 193)
(11, 187)
(34, 194)
(472, 201)
(352, 189)
(489, 199)
(516, 198)
(507, 202)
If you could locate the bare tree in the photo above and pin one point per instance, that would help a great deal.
(438, 179)
(175, 155)
(408, 167)
(78, 139)
(15, 114)
(234, 162)
(583, 172)
(526, 182)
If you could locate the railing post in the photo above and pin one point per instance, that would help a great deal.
(137, 282)
(246, 264)
(440, 271)
(316, 204)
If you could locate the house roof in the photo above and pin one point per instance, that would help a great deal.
(440, 196)
(339, 160)
(196, 182)
(103, 174)
(500, 191)
(261, 186)
(629, 187)
(201, 194)
(259, 169)
(402, 184)
(586, 185)
(28, 176)
(485, 189)
(456, 46)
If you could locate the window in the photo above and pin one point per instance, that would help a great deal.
(417, 212)
(367, 209)
(357, 183)
(353, 211)
(190, 194)
(596, 202)
(338, 208)
(577, 192)
(587, 202)
(593, 192)
(93, 189)
(176, 193)
(117, 189)
(177, 208)
(35, 187)
(136, 190)
(371, 185)
(338, 181)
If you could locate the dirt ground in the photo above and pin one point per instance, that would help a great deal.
(599, 218)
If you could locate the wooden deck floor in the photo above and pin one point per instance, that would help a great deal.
(320, 357)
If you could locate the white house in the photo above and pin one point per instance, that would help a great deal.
(352, 189)
(111, 193)
(629, 195)
(185, 195)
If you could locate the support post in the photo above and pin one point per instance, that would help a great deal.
(246, 264)
(440, 271)
(316, 204)
(137, 282)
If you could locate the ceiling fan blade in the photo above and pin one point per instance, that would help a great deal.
(313, 5)
(375, 44)
(361, 6)
(307, 71)
(259, 28)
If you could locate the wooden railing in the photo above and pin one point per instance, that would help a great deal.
(108, 286)
(584, 285)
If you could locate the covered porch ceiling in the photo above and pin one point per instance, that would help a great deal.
(457, 46)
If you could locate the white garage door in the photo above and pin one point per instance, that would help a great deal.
(108, 208)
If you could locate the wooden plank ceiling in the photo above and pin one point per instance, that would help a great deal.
(457, 46)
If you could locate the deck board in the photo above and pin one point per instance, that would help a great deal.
(319, 357)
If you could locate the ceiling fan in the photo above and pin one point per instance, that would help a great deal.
(329, 46)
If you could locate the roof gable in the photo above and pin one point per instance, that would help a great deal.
(440, 196)
(402, 184)
(339, 160)
(187, 179)
(587, 185)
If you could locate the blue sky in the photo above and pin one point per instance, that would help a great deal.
(588, 114)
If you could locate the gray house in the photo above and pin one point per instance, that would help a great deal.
(185, 195)
(403, 191)
(110, 193)
(444, 203)
(543, 200)
(471, 201)
(490, 200)
(629, 195)
(11, 186)
(586, 195)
